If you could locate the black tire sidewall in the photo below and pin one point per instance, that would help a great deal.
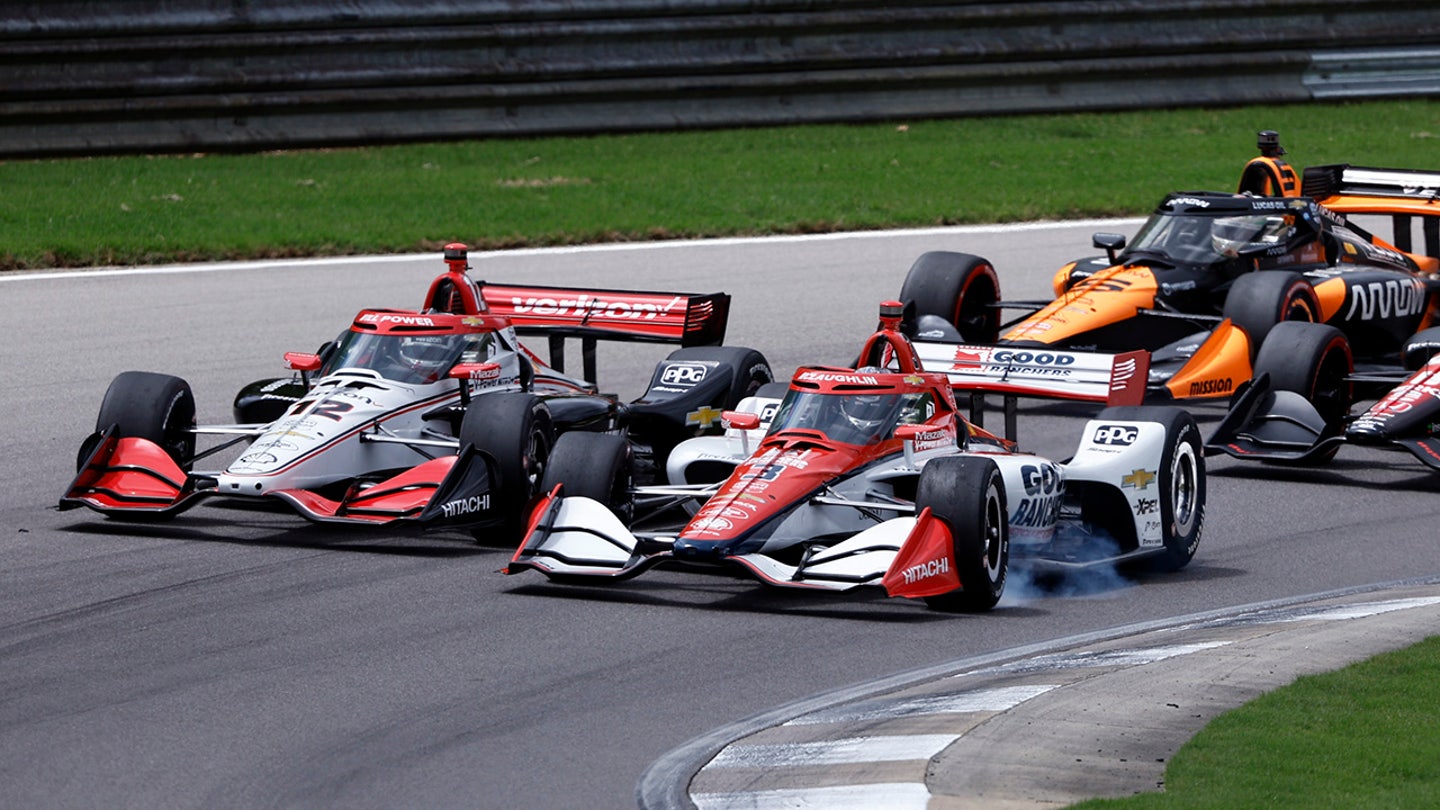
(947, 284)
(1258, 301)
(505, 426)
(957, 490)
(592, 465)
(156, 407)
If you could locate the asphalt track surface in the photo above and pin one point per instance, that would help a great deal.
(233, 658)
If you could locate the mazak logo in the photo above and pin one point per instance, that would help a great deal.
(926, 570)
(1394, 298)
(466, 506)
(684, 374)
(1116, 435)
(593, 307)
(1223, 385)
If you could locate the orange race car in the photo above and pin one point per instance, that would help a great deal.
(1209, 274)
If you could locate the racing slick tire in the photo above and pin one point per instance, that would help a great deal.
(958, 287)
(596, 466)
(1258, 301)
(1420, 347)
(146, 405)
(1312, 360)
(516, 431)
(750, 368)
(1181, 480)
(968, 493)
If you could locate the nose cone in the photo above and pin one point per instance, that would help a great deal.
(699, 551)
(1368, 431)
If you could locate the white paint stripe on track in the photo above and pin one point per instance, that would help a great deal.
(1356, 611)
(430, 257)
(894, 796)
(980, 700)
(897, 748)
(1108, 658)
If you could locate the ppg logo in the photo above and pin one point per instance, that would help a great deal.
(1117, 435)
(683, 374)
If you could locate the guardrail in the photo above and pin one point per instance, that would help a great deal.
(90, 77)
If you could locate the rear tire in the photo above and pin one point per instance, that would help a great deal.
(1258, 301)
(515, 429)
(961, 288)
(596, 466)
(968, 493)
(145, 405)
(1181, 480)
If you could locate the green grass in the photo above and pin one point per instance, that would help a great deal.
(1367, 736)
(507, 193)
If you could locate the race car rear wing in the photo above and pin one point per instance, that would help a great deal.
(1040, 372)
(1401, 193)
(688, 319)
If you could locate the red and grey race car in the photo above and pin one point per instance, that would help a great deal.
(1210, 274)
(438, 417)
(871, 476)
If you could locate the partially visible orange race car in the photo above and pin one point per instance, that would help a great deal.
(1209, 274)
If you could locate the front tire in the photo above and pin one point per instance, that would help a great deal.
(146, 405)
(1314, 361)
(515, 430)
(968, 493)
(958, 287)
(596, 466)
(1181, 480)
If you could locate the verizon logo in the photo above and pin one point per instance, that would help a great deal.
(588, 306)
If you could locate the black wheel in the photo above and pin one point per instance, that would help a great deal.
(1181, 480)
(958, 287)
(750, 368)
(515, 429)
(145, 405)
(1312, 360)
(1421, 346)
(1260, 300)
(596, 466)
(969, 495)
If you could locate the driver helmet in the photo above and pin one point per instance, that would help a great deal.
(424, 356)
(1231, 235)
(865, 412)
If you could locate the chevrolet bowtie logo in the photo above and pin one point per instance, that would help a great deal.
(704, 418)
(1139, 479)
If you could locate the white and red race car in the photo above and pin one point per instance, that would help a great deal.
(438, 416)
(871, 476)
